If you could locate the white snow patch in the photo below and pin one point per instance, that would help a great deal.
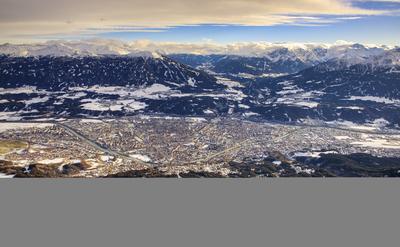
(299, 169)
(196, 119)
(246, 75)
(95, 106)
(106, 158)
(378, 142)
(342, 137)
(141, 157)
(249, 114)
(51, 161)
(244, 106)
(229, 83)
(297, 97)
(313, 154)
(308, 104)
(351, 125)
(191, 82)
(154, 91)
(35, 100)
(88, 120)
(375, 99)
(350, 107)
(3, 175)
(273, 75)
(20, 90)
(113, 105)
(289, 91)
(277, 162)
(77, 95)
(380, 122)
(10, 115)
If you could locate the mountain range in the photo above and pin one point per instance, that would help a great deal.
(281, 82)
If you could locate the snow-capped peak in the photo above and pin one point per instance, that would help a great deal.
(91, 47)
(307, 53)
(145, 54)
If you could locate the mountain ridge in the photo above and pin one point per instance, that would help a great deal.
(307, 53)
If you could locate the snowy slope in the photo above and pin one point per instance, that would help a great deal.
(310, 54)
(93, 47)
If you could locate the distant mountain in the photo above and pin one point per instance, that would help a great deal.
(387, 59)
(283, 60)
(195, 60)
(331, 91)
(311, 54)
(233, 64)
(93, 47)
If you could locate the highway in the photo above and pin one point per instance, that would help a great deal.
(98, 146)
(108, 151)
(88, 141)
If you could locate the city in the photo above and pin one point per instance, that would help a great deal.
(163, 146)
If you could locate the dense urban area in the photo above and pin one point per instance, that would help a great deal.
(163, 146)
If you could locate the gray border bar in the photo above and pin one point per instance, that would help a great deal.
(199, 212)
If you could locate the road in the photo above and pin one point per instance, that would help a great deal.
(88, 141)
(98, 146)
(239, 145)
(236, 146)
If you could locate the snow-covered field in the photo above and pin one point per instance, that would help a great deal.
(35, 100)
(88, 120)
(314, 154)
(378, 142)
(11, 126)
(295, 96)
(351, 107)
(112, 105)
(141, 157)
(11, 115)
(372, 126)
(3, 175)
(20, 90)
(51, 161)
(375, 99)
(154, 91)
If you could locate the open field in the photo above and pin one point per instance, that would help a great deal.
(7, 146)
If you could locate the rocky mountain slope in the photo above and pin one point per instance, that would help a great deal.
(348, 82)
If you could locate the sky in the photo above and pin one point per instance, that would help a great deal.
(205, 21)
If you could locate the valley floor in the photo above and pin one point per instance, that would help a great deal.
(166, 146)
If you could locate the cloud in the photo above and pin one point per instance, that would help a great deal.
(34, 18)
(349, 18)
(108, 46)
(239, 48)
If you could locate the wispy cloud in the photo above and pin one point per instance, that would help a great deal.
(239, 48)
(349, 18)
(75, 17)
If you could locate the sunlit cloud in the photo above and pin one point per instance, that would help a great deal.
(349, 18)
(34, 18)
(238, 48)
